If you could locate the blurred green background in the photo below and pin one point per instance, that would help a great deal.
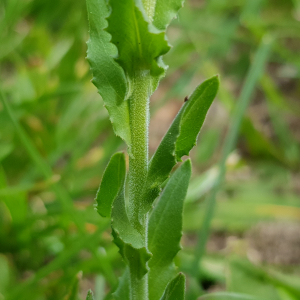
(55, 140)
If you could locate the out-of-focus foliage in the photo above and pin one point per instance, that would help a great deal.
(55, 139)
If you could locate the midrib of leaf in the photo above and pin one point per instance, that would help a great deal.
(137, 34)
(174, 288)
(139, 44)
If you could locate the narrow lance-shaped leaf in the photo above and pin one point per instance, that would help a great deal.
(179, 139)
(194, 115)
(139, 43)
(175, 289)
(108, 76)
(111, 185)
(165, 230)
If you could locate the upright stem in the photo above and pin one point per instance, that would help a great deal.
(138, 167)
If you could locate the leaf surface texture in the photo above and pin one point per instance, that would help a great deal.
(175, 289)
(165, 230)
(108, 76)
(111, 184)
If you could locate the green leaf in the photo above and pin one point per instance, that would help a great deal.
(179, 139)
(108, 76)
(244, 278)
(130, 242)
(227, 296)
(162, 162)
(140, 45)
(123, 292)
(111, 184)
(175, 289)
(90, 295)
(165, 230)
(194, 115)
(165, 11)
(73, 295)
(5, 150)
(4, 274)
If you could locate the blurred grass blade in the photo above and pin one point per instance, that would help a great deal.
(33, 153)
(4, 274)
(255, 72)
(22, 291)
(74, 290)
(5, 150)
(276, 105)
(62, 195)
(100, 284)
(227, 296)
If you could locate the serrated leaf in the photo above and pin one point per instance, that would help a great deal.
(194, 115)
(165, 230)
(140, 45)
(111, 185)
(123, 292)
(175, 289)
(90, 295)
(108, 76)
(130, 242)
(165, 11)
(227, 296)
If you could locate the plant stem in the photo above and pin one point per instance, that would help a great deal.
(138, 167)
(139, 287)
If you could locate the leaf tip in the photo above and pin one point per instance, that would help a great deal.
(215, 79)
(90, 295)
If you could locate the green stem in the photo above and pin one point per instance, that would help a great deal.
(139, 287)
(138, 167)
